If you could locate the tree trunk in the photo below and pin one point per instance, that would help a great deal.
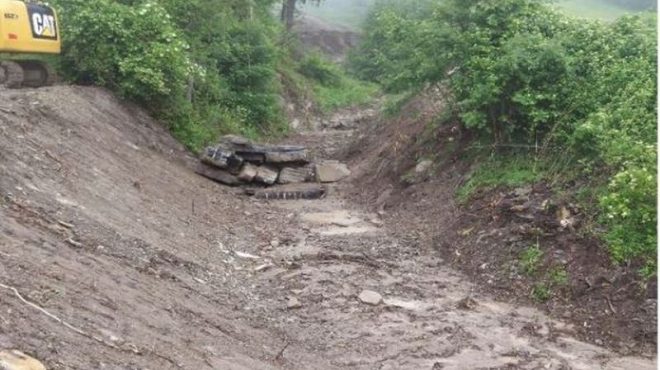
(288, 13)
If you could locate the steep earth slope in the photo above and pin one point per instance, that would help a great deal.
(411, 167)
(105, 227)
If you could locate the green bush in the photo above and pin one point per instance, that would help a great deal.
(134, 50)
(212, 69)
(521, 73)
(313, 66)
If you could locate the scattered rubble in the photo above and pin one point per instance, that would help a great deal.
(235, 161)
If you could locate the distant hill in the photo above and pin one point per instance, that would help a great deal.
(351, 13)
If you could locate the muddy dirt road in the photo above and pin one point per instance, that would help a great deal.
(103, 224)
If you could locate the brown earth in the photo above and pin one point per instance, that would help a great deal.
(331, 39)
(609, 305)
(104, 225)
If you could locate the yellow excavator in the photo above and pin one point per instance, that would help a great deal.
(27, 28)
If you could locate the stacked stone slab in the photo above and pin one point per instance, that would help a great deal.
(236, 160)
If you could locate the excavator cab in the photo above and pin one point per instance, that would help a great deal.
(27, 28)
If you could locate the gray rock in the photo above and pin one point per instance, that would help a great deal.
(370, 297)
(331, 171)
(291, 175)
(293, 303)
(295, 156)
(222, 158)
(17, 360)
(266, 175)
(248, 172)
(217, 174)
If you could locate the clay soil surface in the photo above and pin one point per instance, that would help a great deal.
(104, 226)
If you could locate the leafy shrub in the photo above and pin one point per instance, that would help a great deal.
(313, 66)
(523, 74)
(134, 50)
(209, 70)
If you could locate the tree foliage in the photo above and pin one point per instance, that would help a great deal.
(522, 73)
(204, 66)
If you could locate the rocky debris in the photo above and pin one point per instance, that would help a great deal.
(236, 160)
(290, 175)
(297, 156)
(293, 303)
(266, 175)
(217, 174)
(331, 171)
(370, 297)
(348, 120)
(289, 192)
(222, 158)
(17, 360)
(248, 172)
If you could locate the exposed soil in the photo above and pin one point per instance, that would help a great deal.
(608, 305)
(103, 224)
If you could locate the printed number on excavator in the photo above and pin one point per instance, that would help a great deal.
(27, 28)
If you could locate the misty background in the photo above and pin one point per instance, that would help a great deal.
(351, 13)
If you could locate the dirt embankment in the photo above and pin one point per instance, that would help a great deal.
(332, 40)
(486, 237)
(104, 226)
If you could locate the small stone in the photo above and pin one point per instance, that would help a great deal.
(248, 172)
(370, 297)
(376, 222)
(293, 303)
(522, 191)
(263, 267)
(291, 175)
(17, 360)
(266, 175)
(274, 243)
(331, 171)
(423, 166)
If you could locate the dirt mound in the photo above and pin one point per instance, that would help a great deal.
(409, 169)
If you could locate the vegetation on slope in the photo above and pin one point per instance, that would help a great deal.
(205, 67)
(522, 75)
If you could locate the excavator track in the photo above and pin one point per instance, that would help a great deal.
(15, 74)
